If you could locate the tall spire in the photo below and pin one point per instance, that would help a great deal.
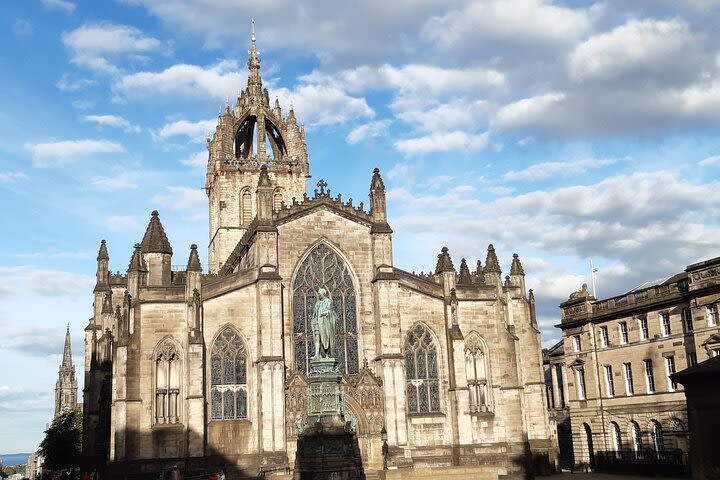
(254, 81)
(67, 355)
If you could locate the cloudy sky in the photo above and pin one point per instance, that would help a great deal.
(563, 131)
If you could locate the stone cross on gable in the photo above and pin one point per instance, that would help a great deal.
(322, 184)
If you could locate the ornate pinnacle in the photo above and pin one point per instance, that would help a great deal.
(464, 277)
(377, 181)
(444, 263)
(193, 264)
(491, 261)
(516, 268)
(103, 253)
(480, 273)
(155, 240)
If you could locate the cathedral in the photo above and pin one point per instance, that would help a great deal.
(207, 366)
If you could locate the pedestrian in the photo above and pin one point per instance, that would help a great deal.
(94, 474)
(222, 474)
(175, 474)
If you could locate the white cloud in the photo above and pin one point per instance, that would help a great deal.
(65, 84)
(527, 111)
(196, 131)
(367, 131)
(545, 170)
(191, 201)
(443, 142)
(50, 154)
(112, 121)
(10, 177)
(46, 282)
(67, 7)
(709, 161)
(324, 104)
(92, 44)
(531, 23)
(216, 81)
(649, 49)
(198, 160)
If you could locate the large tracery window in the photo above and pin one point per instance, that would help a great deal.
(167, 362)
(228, 374)
(421, 371)
(323, 268)
(476, 373)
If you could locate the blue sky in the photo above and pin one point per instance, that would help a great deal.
(562, 131)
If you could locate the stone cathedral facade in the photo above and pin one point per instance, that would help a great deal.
(207, 367)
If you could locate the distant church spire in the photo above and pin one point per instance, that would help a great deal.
(66, 385)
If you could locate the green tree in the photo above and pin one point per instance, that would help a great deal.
(62, 443)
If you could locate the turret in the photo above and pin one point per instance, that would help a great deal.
(492, 270)
(378, 208)
(517, 274)
(193, 287)
(102, 275)
(157, 253)
(445, 269)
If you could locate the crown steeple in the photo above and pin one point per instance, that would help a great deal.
(254, 80)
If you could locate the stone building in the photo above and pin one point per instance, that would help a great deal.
(66, 386)
(557, 402)
(619, 354)
(209, 368)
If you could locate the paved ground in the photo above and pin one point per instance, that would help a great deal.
(600, 476)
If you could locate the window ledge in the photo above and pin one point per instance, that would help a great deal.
(238, 420)
(425, 414)
(168, 426)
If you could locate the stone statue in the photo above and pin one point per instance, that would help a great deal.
(582, 293)
(323, 326)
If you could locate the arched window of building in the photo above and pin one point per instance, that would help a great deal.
(635, 436)
(657, 437)
(324, 268)
(228, 376)
(476, 373)
(278, 199)
(616, 439)
(421, 371)
(167, 364)
(246, 215)
(589, 444)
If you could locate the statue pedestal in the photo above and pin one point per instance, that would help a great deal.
(327, 446)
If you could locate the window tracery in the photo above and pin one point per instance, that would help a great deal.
(228, 377)
(323, 268)
(421, 371)
(167, 363)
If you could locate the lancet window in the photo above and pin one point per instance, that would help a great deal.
(246, 215)
(476, 373)
(228, 376)
(167, 364)
(323, 268)
(421, 371)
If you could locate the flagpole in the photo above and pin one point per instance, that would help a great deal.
(592, 277)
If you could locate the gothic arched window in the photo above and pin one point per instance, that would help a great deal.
(476, 373)
(323, 268)
(167, 363)
(246, 215)
(228, 377)
(421, 371)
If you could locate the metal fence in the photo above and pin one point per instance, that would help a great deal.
(670, 463)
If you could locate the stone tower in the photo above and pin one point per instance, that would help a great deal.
(66, 386)
(250, 135)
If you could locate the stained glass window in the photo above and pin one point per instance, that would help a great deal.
(323, 268)
(423, 390)
(228, 374)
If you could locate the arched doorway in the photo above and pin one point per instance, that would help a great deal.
(589, 443)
